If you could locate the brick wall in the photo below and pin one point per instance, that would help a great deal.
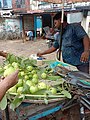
(20, 7)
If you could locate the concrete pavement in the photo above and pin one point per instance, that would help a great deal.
(27, 48)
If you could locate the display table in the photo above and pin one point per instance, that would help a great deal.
(31, 109)
(28, 111)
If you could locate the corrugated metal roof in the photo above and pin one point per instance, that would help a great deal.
(67, 1)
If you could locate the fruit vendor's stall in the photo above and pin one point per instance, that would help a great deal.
(43, 91)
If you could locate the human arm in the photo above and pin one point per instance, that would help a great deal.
(86, 53)
(7, 83)
(3, 54)
(85, 40)
(50, 50)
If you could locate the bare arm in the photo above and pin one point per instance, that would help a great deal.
(86, 53)
(7, 83)
(50, 50)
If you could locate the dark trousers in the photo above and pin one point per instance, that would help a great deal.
(83, 68)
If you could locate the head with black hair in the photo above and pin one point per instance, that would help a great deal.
(57, 19)
(59, 15)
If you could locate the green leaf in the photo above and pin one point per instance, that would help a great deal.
(3, 103)
(16, 102)
(26, 89)
(67, 94)
(40, 92)
(12, 58)
(46, 101)
(52, 77)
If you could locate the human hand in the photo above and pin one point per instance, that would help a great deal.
(85, 56)
(39, 54)
(12, 79)
(4, 54)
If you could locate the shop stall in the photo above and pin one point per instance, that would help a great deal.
(51, 90)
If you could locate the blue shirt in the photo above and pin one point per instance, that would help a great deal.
(30, 33)
(72, 43)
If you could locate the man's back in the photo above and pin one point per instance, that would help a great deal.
(30, 33)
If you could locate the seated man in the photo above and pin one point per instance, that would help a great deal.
(30, 35)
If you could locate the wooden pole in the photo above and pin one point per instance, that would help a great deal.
(23, 31)
(61, 31)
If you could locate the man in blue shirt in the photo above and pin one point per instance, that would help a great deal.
(75, 44)
(30, 35)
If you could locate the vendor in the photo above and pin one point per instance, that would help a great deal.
(75, 44)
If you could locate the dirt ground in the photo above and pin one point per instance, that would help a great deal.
(26, 49)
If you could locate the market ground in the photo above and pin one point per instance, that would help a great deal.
(27, 48)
